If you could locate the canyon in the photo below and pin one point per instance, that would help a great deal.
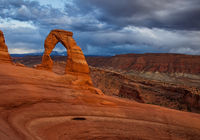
(170, 88)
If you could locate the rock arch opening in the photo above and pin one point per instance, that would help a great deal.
(59, 50)
(59, 56)
(76, 62)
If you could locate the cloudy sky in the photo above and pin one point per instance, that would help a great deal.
(104, 27)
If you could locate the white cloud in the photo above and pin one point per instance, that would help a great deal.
(22, 50)
(53, 3)
(15, 24)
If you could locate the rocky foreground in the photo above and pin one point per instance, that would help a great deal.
(180, 91)
(39, 104)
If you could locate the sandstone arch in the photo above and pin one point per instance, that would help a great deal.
(4, 55)
(76, 62)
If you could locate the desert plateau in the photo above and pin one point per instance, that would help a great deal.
(99, 70)
(129, 96)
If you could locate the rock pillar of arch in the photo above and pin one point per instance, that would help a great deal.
(76, 62)
(4, 55)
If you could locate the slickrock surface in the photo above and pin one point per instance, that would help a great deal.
(76, 62)
(4, 55)
(41, 105)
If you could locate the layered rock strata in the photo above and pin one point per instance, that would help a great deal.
(76, 62)
(149, 62)
(4, 55)
(131, 90)
(174, 96)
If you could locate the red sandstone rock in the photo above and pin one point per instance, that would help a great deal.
(4, 55)
(192, 100)
(179, 97)
(131, 90)
(39, 104)
(165, 63)
(76, 62)
(20, 64)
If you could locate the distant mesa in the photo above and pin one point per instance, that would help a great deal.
(76, 62)
(149, 62)
(4, 55)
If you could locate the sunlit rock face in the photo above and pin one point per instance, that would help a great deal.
(4, 55)
(76, 62)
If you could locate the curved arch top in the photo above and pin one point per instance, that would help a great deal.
(76, 62)
(56, 36)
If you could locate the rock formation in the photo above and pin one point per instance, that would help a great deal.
(76, 65)
(19, 64)
(174, 96)
(4, 55)
(40, 105)
(149, 62)
(76, 62)
(131, 90)
(162, 93)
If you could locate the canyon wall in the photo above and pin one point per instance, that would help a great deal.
(164, 63)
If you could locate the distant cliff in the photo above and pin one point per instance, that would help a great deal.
(165, 63)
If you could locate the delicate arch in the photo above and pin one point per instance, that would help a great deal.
(76, 62)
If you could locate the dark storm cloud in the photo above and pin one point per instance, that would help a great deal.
(170, 14)
(25, 35)
(23, 10)
(46, 16)
(94, 15)
(140, 40)
(107, 27)
(24, 38)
